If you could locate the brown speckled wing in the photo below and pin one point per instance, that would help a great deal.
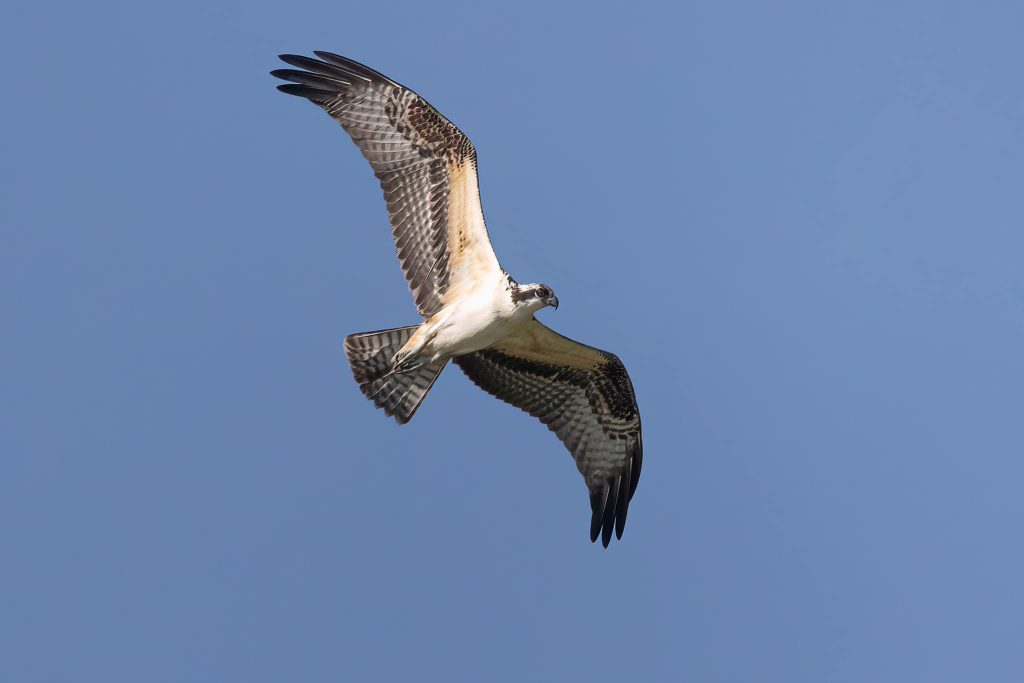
(585, 397)
(426, 167)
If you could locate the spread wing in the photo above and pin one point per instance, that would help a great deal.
(585, 397)
(426, 167)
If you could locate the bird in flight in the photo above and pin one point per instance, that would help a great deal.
(474, 313)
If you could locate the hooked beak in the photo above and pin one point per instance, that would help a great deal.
(552, 301)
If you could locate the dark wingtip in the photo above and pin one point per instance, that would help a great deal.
(620, 524)
(301, 91)
(351, 65)
(602, 519)
(302, 62)
(636, 461)
(345, 62)
(596, 515)
(611, 499)
(608, 510)
(327, 55)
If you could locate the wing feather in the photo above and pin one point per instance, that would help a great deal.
(426, 167)
(585, 397)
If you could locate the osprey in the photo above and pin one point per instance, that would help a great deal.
(474, 313)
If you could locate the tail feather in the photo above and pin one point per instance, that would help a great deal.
(399, 393)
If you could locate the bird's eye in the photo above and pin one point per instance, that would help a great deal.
(543, 293)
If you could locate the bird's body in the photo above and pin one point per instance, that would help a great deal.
(474, 321)
(474, 313)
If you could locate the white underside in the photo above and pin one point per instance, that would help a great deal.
(474, 322)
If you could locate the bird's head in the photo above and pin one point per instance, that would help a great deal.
(534, 297)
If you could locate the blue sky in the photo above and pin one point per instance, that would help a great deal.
(800, 225)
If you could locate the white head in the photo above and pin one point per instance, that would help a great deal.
(532, 298)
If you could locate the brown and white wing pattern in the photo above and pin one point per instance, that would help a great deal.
(585, 397)
(426, 167)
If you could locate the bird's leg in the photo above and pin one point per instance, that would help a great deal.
(404, 362)
(409, 356)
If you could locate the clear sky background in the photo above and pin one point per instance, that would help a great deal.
(800, 226)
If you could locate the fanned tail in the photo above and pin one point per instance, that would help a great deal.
(398, 391)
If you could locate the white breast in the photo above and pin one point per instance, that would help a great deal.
(475, 321)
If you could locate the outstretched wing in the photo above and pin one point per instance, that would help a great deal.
(585, 397)
(426, 167)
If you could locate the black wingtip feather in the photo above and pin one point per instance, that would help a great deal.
(306, 91)
(636, 464)
(309, 64)
(328, 83)
(622, 506)
(620, 522)
(351, 65)
(596, 515)
(610, 506)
